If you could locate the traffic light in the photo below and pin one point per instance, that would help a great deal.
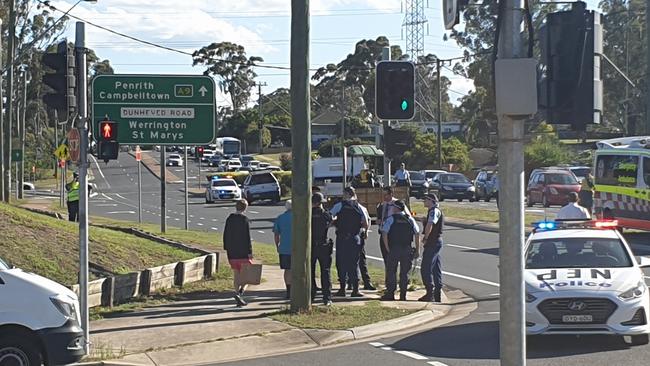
(199, 151)
(570, 88)
(61, 80)
(107, 147)
(395, 90)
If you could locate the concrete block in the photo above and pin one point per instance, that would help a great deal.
(126, 286)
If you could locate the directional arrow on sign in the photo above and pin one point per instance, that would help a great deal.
(203, 90)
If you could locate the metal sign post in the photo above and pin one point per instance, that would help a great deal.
(138, 158)
(187, 205)
(163, 191)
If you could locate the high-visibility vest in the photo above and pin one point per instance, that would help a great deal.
(73, 192)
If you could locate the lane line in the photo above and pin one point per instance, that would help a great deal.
(452, 274)
(387, 348)
(260, 231)
(255, 212)
(436, 363)
(100, 172)
(461, 247)
(413, 355)
(376, 344)
(120, 212)
(122, 197)
(106, 205)
(214, 228)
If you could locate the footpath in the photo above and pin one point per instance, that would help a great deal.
(210, 328)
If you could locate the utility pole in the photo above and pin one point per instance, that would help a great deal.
(301, 152)
(10, 100)
(386, 56)
(439, 137)
(21, 174)
(2, 130)
(512, 332)
(261, 116)
(187, 205)
(82, 125)
(163, 190)
(647, 65)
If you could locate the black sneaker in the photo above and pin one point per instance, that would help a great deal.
(369, 287)
(240, 302)
(387, 297)
(340, 293)
(356, 294)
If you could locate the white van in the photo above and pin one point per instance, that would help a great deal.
(39, 320)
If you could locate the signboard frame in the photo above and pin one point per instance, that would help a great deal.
(176, 102)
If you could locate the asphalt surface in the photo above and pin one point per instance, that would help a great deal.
(470, 259)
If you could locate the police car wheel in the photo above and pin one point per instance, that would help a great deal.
(21, 351)
(640, 340)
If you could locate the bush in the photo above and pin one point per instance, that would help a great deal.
(423, 153)
(545, 152)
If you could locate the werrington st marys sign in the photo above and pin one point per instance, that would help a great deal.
(156, 109)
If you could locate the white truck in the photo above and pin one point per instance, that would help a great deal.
(39, 320)
(327, 173)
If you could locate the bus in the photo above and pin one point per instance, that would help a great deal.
(228, 146)
(622, 181)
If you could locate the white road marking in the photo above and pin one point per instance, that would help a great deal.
(107, 205)
(413, 355)
(376, 344)
(255, 212)
(461, 247)
(452, 275)
(436, 363)
(120, 212)
(122, 197)
(216, 219)
(203, 218)
(200, 224)
(177, 219)
(100, 172)
(490, 313)
(214, 228)
(107, 197)
(387, 348)
(262, 232)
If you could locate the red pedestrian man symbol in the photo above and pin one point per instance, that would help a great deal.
(107, 131)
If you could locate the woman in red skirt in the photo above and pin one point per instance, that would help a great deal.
(238, 246)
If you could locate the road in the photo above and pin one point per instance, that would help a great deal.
(470, 264)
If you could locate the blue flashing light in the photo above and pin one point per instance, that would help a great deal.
(546, 225)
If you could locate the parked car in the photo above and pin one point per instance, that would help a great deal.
(493, 185)
(261, 186)
(39, 320)
(231, 165)
(207, 154)
(215, 160)
(419, 184)
(482, 189)
(246, 159)
(581, 172)
(174, 160)
(551, 187)
(222, 189)
(431, 174)
(263, 165)
(454, 186)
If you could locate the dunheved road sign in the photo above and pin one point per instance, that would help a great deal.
(156, 109)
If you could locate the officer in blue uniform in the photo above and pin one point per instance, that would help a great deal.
(431, 269)
(399, 232)
(351, 221)
(321, 247)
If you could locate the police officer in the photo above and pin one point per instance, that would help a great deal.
(321, 248)
(431, 269)
(351, 220)
(399, 232)
(73, 197)
(384, 211)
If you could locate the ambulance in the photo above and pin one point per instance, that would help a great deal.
(622, 181)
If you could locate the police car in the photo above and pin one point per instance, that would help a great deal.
(222, 189)
(582, 278)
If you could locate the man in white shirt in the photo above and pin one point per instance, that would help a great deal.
(402, 176)
(573, 211)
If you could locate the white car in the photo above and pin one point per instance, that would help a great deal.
(222, 189)
(582, 278)
(39, 320)
(207, 155)
(174, 160)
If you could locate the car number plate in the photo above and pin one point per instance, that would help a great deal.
(577, 319)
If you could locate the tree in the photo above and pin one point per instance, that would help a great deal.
(422, 155)
(229, 62)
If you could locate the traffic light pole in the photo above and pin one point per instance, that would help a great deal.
(187, 205)
(21, 175)
(10, 100)
(2, 131)
(82, 125)
(512, 333)
(386, 56)
(439, 137)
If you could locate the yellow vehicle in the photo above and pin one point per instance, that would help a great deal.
(622, 181)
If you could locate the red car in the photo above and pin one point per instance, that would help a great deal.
(551, 187)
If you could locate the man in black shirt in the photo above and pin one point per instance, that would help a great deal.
(238, 246)
(321, 248)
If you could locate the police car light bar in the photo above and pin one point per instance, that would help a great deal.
(575, 224)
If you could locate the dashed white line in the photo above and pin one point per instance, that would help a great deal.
(376, 344)
(201, 218)
(461, 247)
(387, 348)
(253, 212)
(200, 224)
(413, 355)
(122, 197)
(120, 212)
(214, 228)
(260, 231)
(436, 363)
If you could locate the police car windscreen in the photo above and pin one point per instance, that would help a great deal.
(577, 253)
(223, 183)
(3, 265)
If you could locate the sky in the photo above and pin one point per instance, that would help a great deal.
(261, 26)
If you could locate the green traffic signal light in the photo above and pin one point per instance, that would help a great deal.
(405, 104)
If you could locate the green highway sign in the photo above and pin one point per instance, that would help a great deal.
(156, 109)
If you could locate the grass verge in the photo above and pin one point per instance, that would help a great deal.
(340, 317)
(49, 247)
